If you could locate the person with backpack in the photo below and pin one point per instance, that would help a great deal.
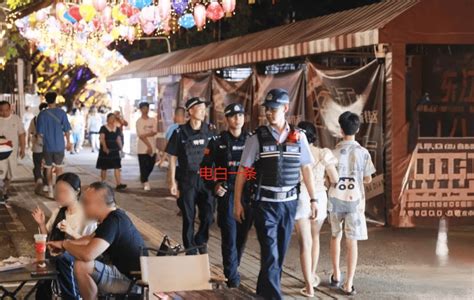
(346, 204)
(37, 149)
(54, 127)
(68, 221)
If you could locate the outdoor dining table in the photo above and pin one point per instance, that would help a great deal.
(19, 277)
(216, 294)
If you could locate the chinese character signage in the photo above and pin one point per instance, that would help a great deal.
(332, 92)
(440, 179)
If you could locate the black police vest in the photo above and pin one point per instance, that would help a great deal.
(194, 146)
(229, 151)
(278, 164)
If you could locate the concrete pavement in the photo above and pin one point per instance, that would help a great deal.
(393, 263)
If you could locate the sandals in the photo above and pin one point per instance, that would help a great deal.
(303, 292)
(317, 281)
(334, 283)
(353, 291)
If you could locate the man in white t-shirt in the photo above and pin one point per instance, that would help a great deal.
(147, 129)
(11, 127)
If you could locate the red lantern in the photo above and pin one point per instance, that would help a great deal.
(74, 12)
(126, 9)
(228, 6)
(214, 11)
(200, 16)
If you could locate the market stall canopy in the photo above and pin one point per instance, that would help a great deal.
(400, 21)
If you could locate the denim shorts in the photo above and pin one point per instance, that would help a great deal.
(355, 226)
(109, 280)
(53, 158)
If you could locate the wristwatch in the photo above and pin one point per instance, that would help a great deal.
(313, 200)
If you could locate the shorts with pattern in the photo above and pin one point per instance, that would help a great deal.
(354, 225)
(109, 280)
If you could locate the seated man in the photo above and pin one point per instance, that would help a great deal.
(115, 237)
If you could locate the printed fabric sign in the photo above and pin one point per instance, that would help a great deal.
(332, 92)
(167, 100)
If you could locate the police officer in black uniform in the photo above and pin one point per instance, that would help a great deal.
(278, 152)
(224, 153)
(187, 145)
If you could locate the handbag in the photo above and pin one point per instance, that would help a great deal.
(167, 249)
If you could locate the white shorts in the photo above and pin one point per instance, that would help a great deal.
(8, 166)
(304, 206)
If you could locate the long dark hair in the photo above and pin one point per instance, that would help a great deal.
(309, 130)
(72, 179)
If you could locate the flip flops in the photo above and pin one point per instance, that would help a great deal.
(353, 291)
(334, 283)
(317, 281)
(303, 292)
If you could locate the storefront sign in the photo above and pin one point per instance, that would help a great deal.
(441, 179)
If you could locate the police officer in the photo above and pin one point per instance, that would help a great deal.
(278, 152)
(187, 145)
(224, 153)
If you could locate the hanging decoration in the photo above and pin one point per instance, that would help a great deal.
(186, 21)
(229, 7)
(200, 16)
(214, 11)
(179, 6)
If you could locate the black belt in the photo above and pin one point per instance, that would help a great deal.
(278, 195)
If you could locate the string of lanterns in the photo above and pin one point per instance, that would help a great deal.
(80, 33)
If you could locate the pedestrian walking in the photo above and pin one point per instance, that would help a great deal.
(11, 129)
(347, 201)
(187, 145)
(279, 152)
(28, 116)
(54, 127)
(109, 153)
(94, 123)
(147, 128)
(36, 139)
(308, 229)
(77, 128)
(224, 153)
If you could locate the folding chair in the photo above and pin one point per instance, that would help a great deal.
(176, 273)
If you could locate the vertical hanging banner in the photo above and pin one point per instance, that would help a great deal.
(225, 92)
(167, 101)
(195, 85)
(294, 83)
(360, 91)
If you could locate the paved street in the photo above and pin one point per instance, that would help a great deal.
(393, 264)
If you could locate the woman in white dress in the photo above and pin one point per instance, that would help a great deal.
(308, 229)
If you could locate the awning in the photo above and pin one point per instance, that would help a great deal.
(363, 26)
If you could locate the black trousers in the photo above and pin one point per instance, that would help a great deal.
(38, 171)
(193, 193)
(147, 163)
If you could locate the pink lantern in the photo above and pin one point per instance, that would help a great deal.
(99, 5)
(148, 28)
(214, 11)
(228, 6)
(200, 16)
(107, 14)
(164, 7)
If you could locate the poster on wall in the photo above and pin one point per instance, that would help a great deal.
(448, 104)
(294, 83)
(332, 92)
(167, 101)
(440, 179)
(225, 92)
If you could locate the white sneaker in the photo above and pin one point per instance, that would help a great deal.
(146, 186)
(50, 192)
(45, 189)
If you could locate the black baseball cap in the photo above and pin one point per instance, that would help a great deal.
(233, 109)
(195, 101)
(276, 98)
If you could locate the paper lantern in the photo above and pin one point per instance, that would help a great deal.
(99, 5)
(74, 12)
(186, 21)
(106, 14)
(199, 16)
(126, 9)
(87, 12)
(148, 14)
(140, 3)
(180, 6)
(228, 6)
(148, 28)
(41, 15)
(69, 18)
(214, 11)
(164, 7)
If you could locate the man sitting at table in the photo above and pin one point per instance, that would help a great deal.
(115, 237)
